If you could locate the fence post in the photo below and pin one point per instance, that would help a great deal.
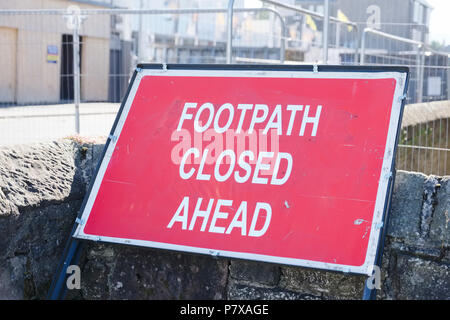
(74, 20)
(326, 23)
(229, 30)
(141, 35)
(283, 40)
(419, 66)
(76, 71)
(363, 47)
(338, 35)
(357, 32)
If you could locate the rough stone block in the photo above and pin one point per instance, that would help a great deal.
(263, 273)
(317, 282)
(89, 157)
(237, 291)
(31, 175)
(446, 256)
(12, 278)
(143, 273)
(417, 278)
(423, 249)
(404, 220)
(36, 242)
(440, 224)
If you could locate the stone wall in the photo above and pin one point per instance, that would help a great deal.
(41, 191)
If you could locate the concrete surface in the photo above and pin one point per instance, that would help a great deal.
(44, 123)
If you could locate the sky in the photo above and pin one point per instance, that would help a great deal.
(252, 3)
(440, 21)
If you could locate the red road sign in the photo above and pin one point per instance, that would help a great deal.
(282, 166)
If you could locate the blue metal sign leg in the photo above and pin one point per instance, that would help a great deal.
(71, 256)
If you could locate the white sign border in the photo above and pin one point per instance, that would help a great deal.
(382, 192)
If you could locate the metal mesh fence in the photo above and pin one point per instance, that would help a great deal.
(38, 89)
(40, 99)
(37, 86)
(424, 144)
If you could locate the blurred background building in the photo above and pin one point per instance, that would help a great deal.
(38, 41)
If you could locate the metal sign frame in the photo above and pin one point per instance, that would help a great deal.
(385, 186)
